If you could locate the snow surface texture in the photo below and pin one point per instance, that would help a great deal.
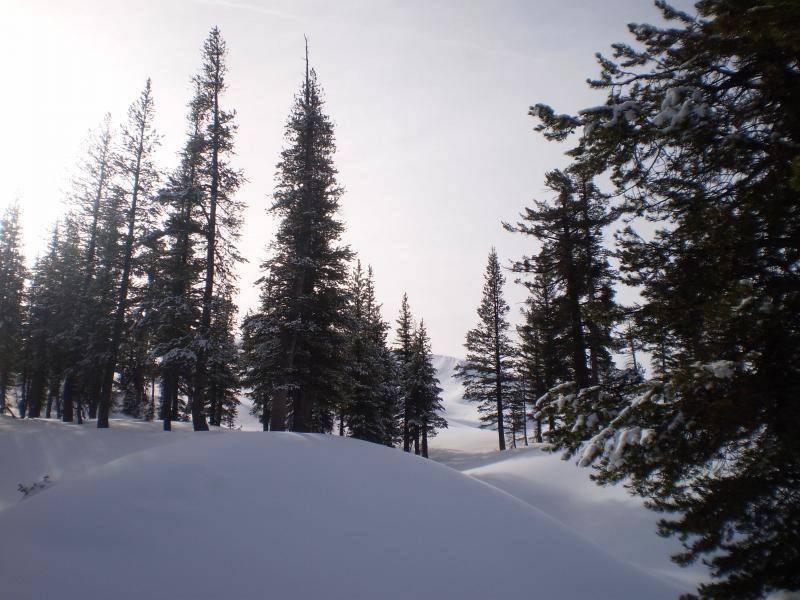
(254, 515)
(139, 500)
(607, 516)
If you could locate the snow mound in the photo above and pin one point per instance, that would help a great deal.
(282, 515)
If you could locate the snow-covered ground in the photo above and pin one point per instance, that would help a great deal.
(133, 512)
(607, 516)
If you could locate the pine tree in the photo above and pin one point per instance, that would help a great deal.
(404, 352)
(222, 211)
(699, 134)
(570, 231)
(487, 373)
(424, 392)
(541, 342)
(54, 304)
(136, 168)
(369, 402)
(96, 210)
(171, 309)
(12, 289)
(223, 363)
(558, 228)
(302, 363)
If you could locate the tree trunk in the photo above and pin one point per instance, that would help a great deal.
(3, 388)
(169, 384)
(107, 385)
(425, 439)
(524, 423)
(280, 403)
(92, 392)
(52, 394)
(498, 374)
(36, 395)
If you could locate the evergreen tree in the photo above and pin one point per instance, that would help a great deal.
(424, 393)
(139, 176)
(96, 210)
(54, 305)
(171, 309)
(404, 352)
(223, 363)
(12, 289)
(487, 374)
(572, 257)
(700, 134)
(541, 341)
(370, 400)
(301, 365)
(220, 182)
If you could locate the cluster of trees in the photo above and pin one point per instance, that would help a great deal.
(699, 137)
(136, 285)
(315, 352)
(131, 306)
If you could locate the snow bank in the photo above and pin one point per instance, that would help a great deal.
(607, 516)
(277, 515)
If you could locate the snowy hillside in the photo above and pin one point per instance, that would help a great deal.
(253, 515)
(302, 515)
(608, 516)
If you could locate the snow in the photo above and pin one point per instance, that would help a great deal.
(244, 515)
(721, 369)
(607, 516)
(134, 512)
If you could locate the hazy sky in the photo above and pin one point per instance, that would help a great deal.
(429, 100)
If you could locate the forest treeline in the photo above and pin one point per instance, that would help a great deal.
(699, 138)
(131, 306)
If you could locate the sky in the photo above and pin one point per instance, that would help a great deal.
(429, 99)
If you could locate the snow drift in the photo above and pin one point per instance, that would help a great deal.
(280, 515)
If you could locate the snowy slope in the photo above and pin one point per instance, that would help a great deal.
(290, 498)
(607, 516)
(255, 515)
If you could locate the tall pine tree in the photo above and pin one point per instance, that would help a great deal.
(139, 176)
(221, 209)
(487, 373)
(12, 289)
(301, 363)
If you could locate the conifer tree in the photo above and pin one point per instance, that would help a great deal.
(699, 134)
(13, 274)
(424, 392)
(557, 226)
(54, 305)
(370, 398)
(221, 209)
(139, 176)
(487, 373)
(223, 363)
(97, 213)
(570, 230)
(171, 308)
(302, 363)
(404, 351)
(540, 365)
